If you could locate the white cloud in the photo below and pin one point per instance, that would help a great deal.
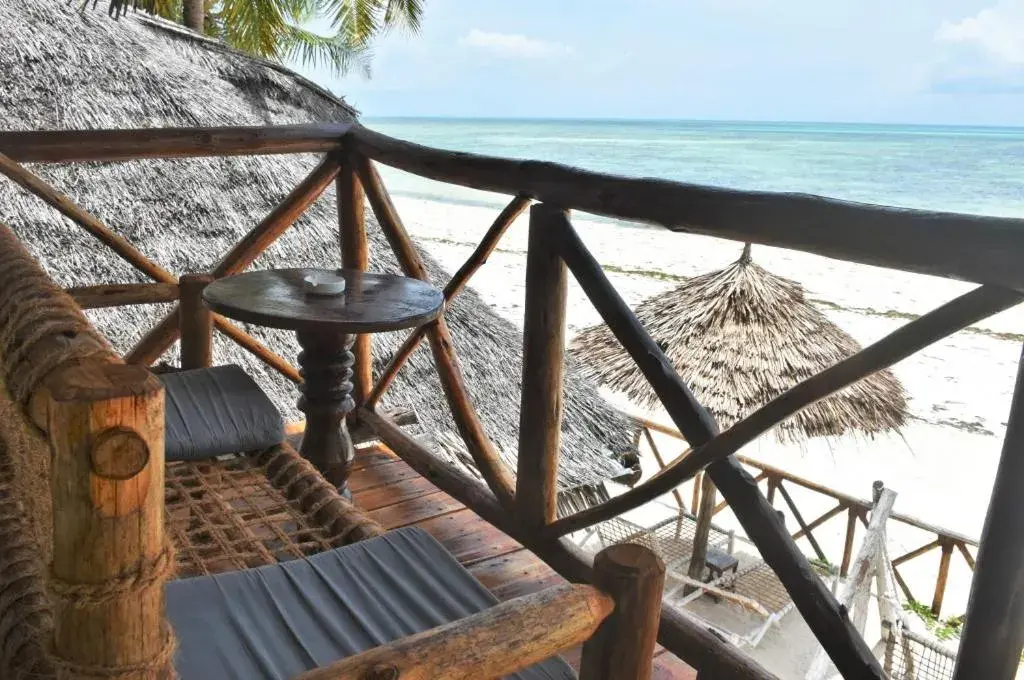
(513, 45)
(997, 31)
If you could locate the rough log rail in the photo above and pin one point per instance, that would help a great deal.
(63, 146)
(981, 249)
(855, 509)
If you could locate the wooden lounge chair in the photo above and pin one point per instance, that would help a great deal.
(277, 575)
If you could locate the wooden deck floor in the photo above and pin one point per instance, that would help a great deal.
(396, 496)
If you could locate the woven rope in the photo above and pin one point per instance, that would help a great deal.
(33, 309)
(159, 665)
(149, 575)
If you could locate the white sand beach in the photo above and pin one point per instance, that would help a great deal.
(960, 388)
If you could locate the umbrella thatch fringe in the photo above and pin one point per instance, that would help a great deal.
(66, 70)
(740, 337)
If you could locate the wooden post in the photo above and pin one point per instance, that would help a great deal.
(540, 415)
(106, 428)
(701, 532)
(940, 581)
(196, 321)
(623, 646)
(851, 530)
(698, 481)
(355, 255)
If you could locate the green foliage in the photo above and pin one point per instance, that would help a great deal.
(277, 29)
(943, 629)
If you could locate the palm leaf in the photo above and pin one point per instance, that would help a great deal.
(334, 51)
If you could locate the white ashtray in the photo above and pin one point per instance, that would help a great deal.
(323, 283)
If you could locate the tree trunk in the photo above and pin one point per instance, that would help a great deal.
(194, 14)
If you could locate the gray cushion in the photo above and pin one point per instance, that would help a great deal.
(215, 411)
(277, 621)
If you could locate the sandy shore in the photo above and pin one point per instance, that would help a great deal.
(960, 387)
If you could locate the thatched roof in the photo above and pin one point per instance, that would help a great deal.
(65, 70)
(739, 337)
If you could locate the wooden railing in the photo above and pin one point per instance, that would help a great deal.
(847, 507)
(980, 249)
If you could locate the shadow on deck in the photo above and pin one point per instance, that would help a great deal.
(392, 493)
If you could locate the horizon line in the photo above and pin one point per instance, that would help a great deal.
(745, 121)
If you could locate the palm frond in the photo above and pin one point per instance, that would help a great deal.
(359, 20)
(404, 14)
(335, 51)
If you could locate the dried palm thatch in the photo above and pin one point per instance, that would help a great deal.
(740, 337)
(66, 70)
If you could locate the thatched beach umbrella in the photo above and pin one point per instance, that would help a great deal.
(739, 337)
(66, 70)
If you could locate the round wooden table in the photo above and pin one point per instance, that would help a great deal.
(326, 327)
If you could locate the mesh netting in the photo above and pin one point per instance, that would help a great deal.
(909, 656)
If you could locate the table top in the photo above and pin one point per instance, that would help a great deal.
(371, 303)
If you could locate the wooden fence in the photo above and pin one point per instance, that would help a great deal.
(846, 507)
(521, 502)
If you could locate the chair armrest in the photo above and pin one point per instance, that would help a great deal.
(504, 639)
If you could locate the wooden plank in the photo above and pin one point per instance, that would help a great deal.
(123, 294)
(540, 410)
(469, 538)
(394, 492)
(381, 473)
(514, 574)
(372, 455)
(412, 511)
(969, 247)
(62, 146)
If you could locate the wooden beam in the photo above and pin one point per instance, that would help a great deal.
(493, 469)
(355, 254)
(540, 412)
(917, 552)
(62, 146)
(65, 206)
(623, 646)
(105, 423)
(257, 349)
(280, 219)
(851, 530)
(966, 553)
(821, 519)
(661, 465)
(196, 322)
(483, 250)
(804, 529)
(702, 529)
(123, 294)
(968, 247)
(697, 645)
(157, 340)
(502, 640)
(943, 576)
(901, 343)
(244, 253)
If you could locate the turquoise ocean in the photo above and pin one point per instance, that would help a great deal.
(961, 169)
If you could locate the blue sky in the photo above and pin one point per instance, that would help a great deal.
(923, 61)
